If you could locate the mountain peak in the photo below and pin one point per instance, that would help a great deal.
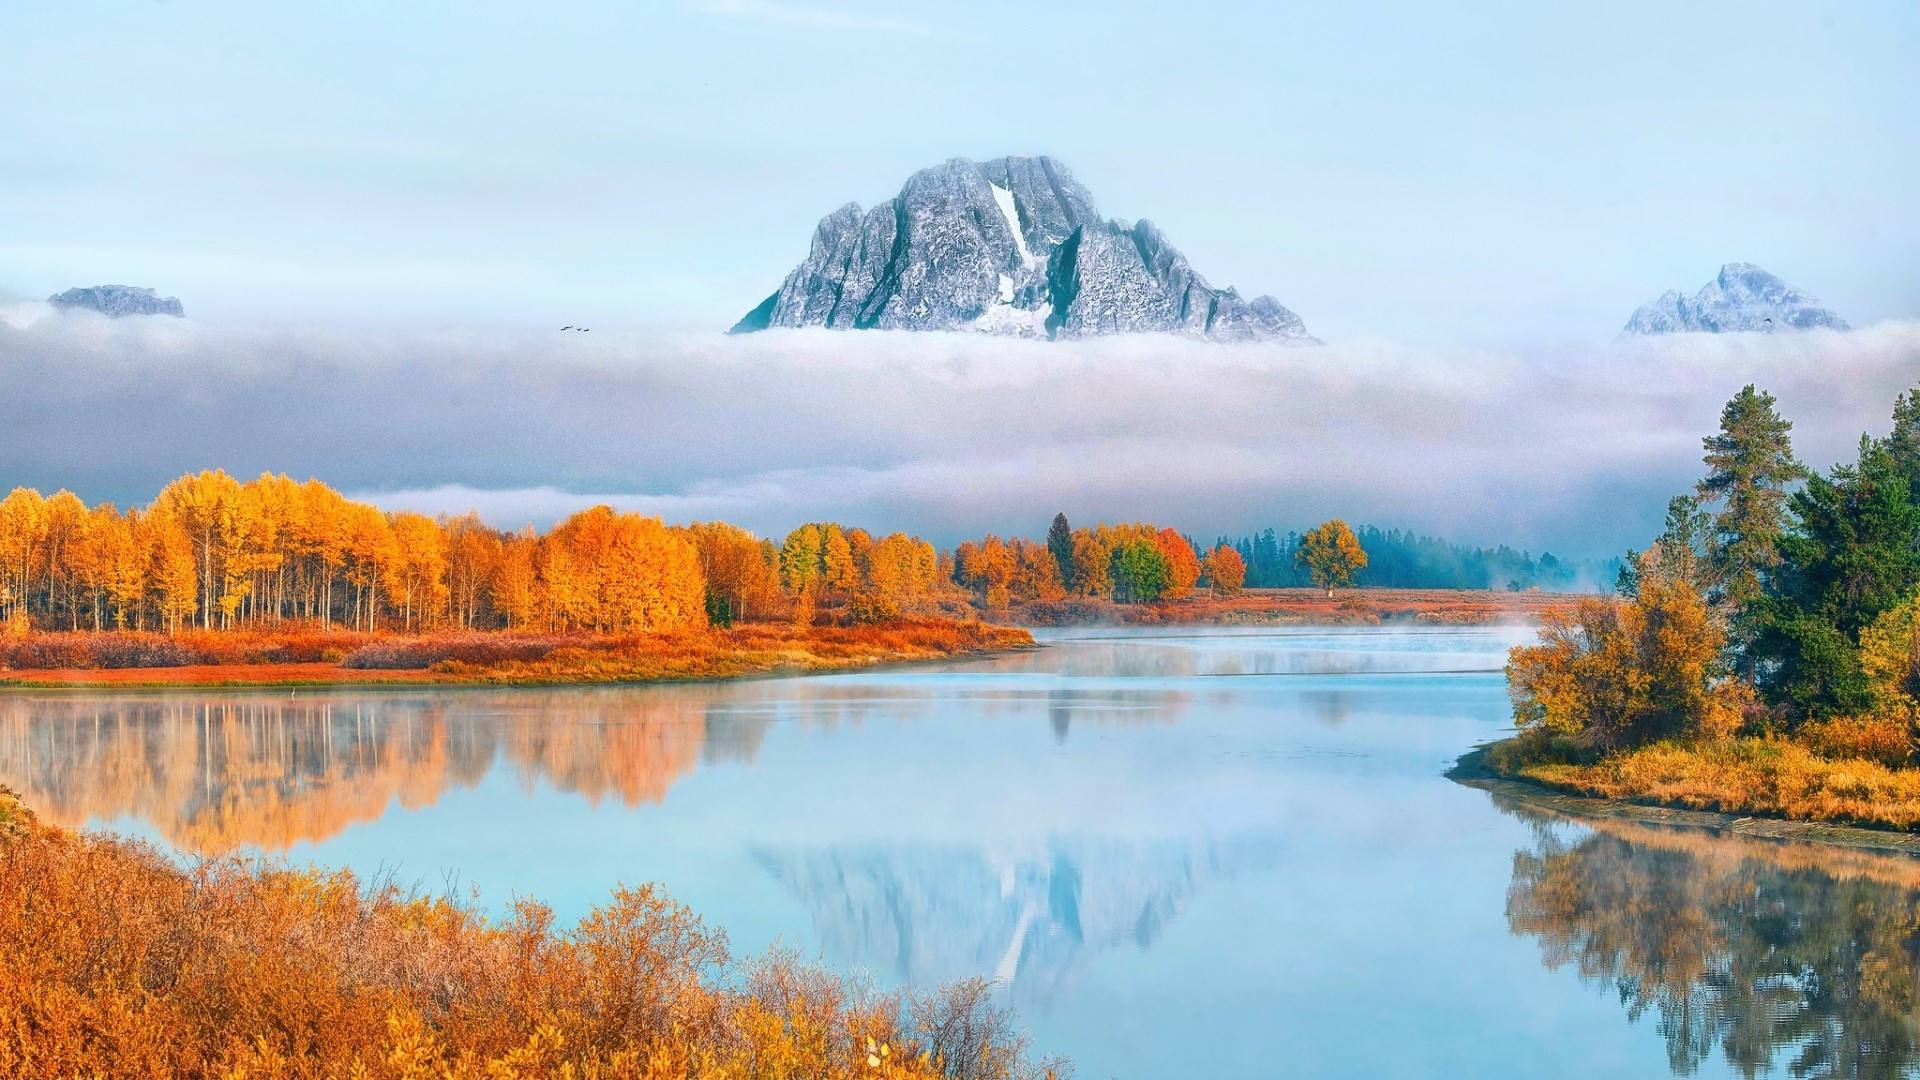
(118, 300)
(1009, 246)
(1741, 298)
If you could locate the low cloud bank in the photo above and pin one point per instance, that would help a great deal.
(945, 434)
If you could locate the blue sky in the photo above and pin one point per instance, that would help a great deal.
(1476, 173)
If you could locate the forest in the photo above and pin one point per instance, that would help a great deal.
(1401, 559)
(1763, 653)
(212, 553)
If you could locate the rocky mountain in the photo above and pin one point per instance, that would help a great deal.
(118, 300)
(1742, 297)
(1009, 246)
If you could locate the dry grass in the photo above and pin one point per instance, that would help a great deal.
(118, 960)
(113, 649)
(1766, 777)
(245, 658)
(1312, 606)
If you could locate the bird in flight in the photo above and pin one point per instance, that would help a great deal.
(582, 329)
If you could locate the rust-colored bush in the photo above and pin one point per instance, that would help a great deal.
(86, 649)
(1885, 739)
(118, 962)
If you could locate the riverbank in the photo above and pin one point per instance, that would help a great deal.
(1290, 607)
(118, 954)
(503, 659)
(1762, 787)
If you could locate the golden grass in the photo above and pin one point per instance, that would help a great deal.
(1767, 777)
(118, 962)
(1305, 606)
(500, 658)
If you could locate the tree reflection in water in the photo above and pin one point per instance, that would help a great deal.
(212, 773)
(1779, 955)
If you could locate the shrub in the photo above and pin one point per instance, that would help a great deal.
(1884, 739)
(1616, 674)
(117, 957)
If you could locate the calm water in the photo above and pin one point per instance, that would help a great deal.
(1217, 854)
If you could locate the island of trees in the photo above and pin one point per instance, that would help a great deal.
(1763, 653)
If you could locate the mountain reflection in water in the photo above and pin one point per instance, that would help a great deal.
(1035, 920)
(1774, 954)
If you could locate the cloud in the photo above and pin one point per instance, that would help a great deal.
(767, 11)
(945, 434)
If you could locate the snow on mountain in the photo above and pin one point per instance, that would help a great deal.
(118, 300)
(1010, 246)
(1741, 298)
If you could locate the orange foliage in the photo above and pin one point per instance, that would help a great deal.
(212, 552)
(1183, 566)
(1226, 571)
(237, 657)
(117, 958)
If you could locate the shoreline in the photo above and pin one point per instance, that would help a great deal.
(1353, 606)
(666, 661)
(134, 679)
(1470, 770)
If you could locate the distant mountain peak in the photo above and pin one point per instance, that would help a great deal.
(1741, 298)
(118, 300)
(1009, 246)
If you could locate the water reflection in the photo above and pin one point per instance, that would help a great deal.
(1033, 920)
(220, 771)
(212, 773)
(1771, 954)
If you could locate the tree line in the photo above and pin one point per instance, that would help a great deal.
(212, 552)
(1134, 563)
(1401, 559)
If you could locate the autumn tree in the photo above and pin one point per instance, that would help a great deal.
(1331, 555)
(988, 568)
(741, 582)
(1226, 571)
(625, 573)
(1183, 566)
(1092, 565)
(1613, 674)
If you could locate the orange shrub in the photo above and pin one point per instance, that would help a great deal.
(141, 649)
(117, 958)
(1888, 740)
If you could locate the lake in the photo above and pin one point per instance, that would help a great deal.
(1180, 853)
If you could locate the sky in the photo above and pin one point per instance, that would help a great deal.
(378, 215)
(1473, 173)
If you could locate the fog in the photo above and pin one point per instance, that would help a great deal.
(1571, 450)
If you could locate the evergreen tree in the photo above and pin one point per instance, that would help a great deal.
(1854, 555)
(1060, 545)
(1749, 465)
(1904, 443)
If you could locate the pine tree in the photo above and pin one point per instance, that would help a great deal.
(1904, 443)
(1749, 465)
(1060, 545)
(1853, 556)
